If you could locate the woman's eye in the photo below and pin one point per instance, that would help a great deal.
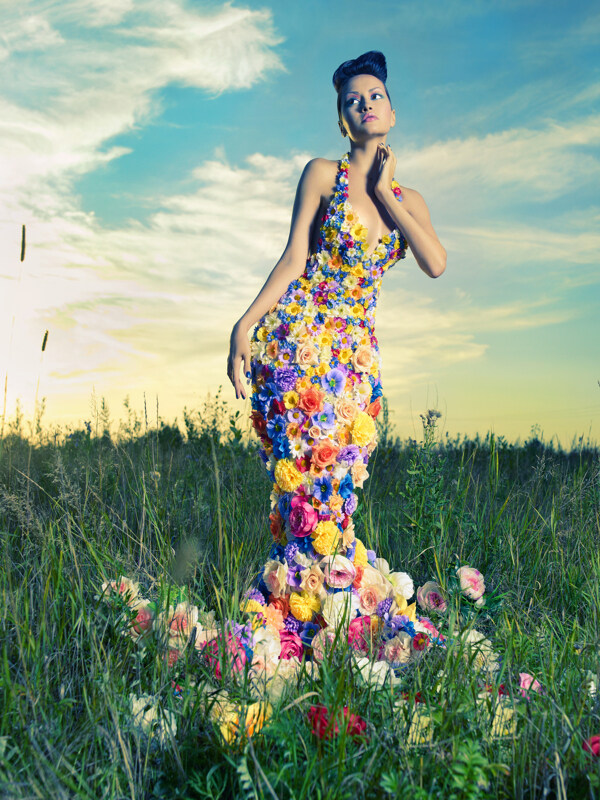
(376, 94)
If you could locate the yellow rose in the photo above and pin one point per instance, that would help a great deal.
(345, 355)
(290, 399)
(309, 372)
(335, 502)
(294, 308)
(287, 475)
(326, 537)
(326, 339)
(261, 334)
(363, 429)
(357, 270)
(303, 605)
(360, 554)
(323, 368)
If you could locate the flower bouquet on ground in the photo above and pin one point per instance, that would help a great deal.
(367, 626)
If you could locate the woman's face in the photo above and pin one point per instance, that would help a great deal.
(365, 108)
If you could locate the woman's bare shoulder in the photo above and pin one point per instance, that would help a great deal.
(322, 174)
(413, 199)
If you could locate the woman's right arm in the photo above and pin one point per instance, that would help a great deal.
(289, 267)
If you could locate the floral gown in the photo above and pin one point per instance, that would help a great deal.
(316, 388)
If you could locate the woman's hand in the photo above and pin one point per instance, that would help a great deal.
(239, 350)
(387, 165)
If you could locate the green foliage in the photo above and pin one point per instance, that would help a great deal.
(169, 503)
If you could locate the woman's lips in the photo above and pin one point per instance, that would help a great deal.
(369, 118)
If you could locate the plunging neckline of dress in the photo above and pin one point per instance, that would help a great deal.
(396, 231)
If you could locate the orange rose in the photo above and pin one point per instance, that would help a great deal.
(282, 604)
(374, 408)
(324, 453)
(311, 400)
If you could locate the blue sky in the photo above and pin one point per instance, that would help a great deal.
(153, 151)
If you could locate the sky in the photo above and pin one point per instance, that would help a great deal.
(152, 148)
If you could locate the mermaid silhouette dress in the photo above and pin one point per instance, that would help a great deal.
(316, 388)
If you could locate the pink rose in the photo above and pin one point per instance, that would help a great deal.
(369, 597)
(291, 645)
(339, 571)
(358, 630)
(527, 681)
(143, 621)
(430, 597)
(592, 745)
(322, 643)
(471, 582)
(303, 516)
(231, 652)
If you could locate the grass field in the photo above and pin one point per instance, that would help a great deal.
(186, 511)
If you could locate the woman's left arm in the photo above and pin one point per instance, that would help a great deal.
(415, 224)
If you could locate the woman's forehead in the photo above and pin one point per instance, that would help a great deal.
(361, 82)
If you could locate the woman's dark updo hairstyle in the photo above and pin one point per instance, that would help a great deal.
(371, 63)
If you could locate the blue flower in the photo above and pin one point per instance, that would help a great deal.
(323, 488)
(346, 486)
(334, 381)
(308, 632)
(284, 506)
(326, 418)
(276, 425)
(281, 446)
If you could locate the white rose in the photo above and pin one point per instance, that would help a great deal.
(402, 583)
(375, 673)
(382, 565)
(340, 608)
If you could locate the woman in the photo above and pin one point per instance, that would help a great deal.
(314, 363)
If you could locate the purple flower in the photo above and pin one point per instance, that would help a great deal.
(371, 556)
(290, 552)
(254, 594)
(294, 576)
(285, 378)
(383, 607)
(325, 418)
(334, 381)
(348, 454)
(351, 504)
(291, 624)
(282, 331)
